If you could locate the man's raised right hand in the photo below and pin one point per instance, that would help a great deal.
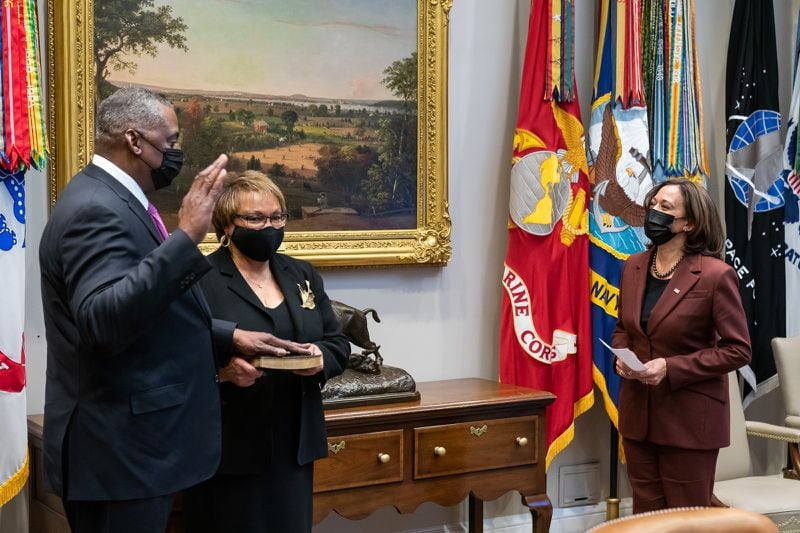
(194, 216)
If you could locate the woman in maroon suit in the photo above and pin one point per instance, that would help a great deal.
(681, 314)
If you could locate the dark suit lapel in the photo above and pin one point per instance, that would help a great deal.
(685, 277)
(288, 283)
(125, 195)
(236, 282)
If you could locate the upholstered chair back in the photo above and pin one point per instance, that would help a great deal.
(734, 461)
(690, 519)
(787, 361)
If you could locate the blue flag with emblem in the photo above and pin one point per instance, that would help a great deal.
(619, 150)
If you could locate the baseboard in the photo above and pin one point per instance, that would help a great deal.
(565, 520)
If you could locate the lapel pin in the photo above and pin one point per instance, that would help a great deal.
(306, 296)
(677, 291)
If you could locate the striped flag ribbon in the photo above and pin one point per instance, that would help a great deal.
(673, 90)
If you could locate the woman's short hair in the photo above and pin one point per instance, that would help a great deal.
(250, 181)
(706, 236)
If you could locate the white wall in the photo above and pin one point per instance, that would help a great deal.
(442, 323)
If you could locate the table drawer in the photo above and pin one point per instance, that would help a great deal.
(484, 445)
(360, 460)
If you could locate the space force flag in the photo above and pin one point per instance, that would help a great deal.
(545, 328)
(754, 190)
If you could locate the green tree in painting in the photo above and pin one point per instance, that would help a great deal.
(392, 183)
(401, 78)
(209, 142)
(126, 28)
(192, 117)
(289, 118)
(344, 168)
(246, 116)
(277, 170)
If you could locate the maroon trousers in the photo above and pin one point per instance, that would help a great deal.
(664, 476)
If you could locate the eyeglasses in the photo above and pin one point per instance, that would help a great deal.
(254, 221)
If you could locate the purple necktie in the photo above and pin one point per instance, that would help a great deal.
(153, 212)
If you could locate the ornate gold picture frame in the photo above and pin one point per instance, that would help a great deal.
(71, 97)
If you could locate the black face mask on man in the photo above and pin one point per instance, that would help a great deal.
(658, 227)
(171, 164)
(257, 244)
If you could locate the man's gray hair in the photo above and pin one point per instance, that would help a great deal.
(130, 107)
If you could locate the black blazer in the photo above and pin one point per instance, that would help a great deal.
(131, 399)
(246, 410)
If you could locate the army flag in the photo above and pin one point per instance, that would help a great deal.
(13, 451)
(22, 145)
(754, 189)
(619, 151)
(545, 326)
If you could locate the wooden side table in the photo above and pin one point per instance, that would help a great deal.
(464, 438)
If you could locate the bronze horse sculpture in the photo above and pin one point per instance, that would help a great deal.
(354, 327)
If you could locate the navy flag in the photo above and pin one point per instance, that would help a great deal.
(619, 151)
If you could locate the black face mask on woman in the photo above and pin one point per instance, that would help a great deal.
(257, 244)
(658, 227)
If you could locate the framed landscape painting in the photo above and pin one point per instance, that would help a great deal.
(343, 103)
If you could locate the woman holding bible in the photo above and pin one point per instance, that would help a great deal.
(680, 312)
(273, 426)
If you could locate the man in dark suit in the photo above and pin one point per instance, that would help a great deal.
(131, 401)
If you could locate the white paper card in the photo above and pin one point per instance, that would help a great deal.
(627, 357)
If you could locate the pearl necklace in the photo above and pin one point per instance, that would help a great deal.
(663, 275)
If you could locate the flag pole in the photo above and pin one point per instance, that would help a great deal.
(612, 502)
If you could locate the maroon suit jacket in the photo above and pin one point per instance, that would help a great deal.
(699, 327)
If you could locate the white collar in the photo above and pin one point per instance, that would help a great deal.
(121, 176)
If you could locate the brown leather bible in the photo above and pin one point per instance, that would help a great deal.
(289, 362)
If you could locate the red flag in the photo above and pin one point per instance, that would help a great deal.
(545, 337)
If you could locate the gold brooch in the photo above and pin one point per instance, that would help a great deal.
(306, 296)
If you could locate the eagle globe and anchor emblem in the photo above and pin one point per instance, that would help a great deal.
(541, 195)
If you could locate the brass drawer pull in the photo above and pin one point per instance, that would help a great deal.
(439, 451)
(522, 441)
(384, 457)
(336, 447)
(478, 431)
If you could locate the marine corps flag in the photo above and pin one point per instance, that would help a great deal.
(545, 327)
(754, 212)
